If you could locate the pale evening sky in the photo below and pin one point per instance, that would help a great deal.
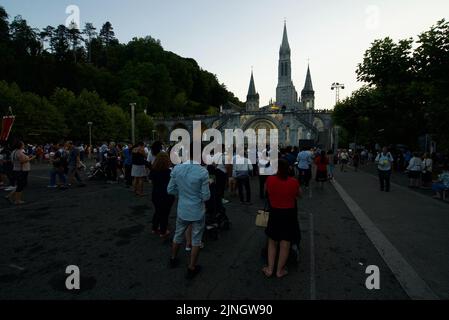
(228, 37)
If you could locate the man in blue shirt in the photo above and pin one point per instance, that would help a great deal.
(190, 182)
(128, 164)
(305, 167)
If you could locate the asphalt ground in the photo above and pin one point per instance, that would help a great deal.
(105, 231)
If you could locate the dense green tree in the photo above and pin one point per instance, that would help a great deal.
(60, 43)
(144, 127)
(4, 25)
(107, 34)
(24, 38)
(90, 32)
(76, 78)
(75, 39)
(406, 93)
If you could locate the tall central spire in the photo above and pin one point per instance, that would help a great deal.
(285, 46)
(286, 95)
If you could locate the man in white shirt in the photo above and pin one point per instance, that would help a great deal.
(384, 161)
(414, 169)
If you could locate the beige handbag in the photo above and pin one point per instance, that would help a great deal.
(262, 217)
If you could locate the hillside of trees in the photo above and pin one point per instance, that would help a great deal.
(406, 95)
(59, 78)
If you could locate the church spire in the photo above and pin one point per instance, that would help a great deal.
(285, 46)
(252, 99)
(308, 86)
(252, 86)
(308, 94)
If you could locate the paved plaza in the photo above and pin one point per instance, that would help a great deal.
(105, 231)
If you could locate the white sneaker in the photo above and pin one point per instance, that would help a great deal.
(10, 189)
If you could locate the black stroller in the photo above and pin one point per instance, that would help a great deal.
(216, 218)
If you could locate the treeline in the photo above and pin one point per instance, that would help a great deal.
(66, 115)
(91, 60)
(406, 94)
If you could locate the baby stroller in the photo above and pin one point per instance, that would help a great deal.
(98, 173)
(216, 218)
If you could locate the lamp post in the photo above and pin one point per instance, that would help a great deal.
(154, 132)
(133, 122)
(337, 87)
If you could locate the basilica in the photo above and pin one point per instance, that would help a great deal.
(286, 95)
(295, 117)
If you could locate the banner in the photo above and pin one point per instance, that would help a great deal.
(7, 124)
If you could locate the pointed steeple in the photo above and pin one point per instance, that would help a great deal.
(308, 94)
(252, 86)
(252, 100)
(308, 86)
(285, 46)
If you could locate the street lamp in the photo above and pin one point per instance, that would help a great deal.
(154, 131)
(133, 122)
(337, 87)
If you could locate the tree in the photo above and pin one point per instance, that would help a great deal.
(24, 38)
(60, 43)
(432, 66)
(406, 93)
(107, 35)
(65, 102)
(144, 127)
(4, 25)
(46, 35)
(75, 38)
(90, 32)
(119, 124)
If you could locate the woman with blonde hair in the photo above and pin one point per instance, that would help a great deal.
(162, 201)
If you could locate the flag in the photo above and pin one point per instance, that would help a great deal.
(7, 124)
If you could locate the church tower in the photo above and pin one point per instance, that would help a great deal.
(308, 94)
(252, 99)
(286, 94)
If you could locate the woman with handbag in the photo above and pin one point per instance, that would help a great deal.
(283, 226)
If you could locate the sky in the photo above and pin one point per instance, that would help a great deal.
(229, 37)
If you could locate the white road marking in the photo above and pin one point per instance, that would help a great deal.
(312, 258)
(40, 177)
(411, 282)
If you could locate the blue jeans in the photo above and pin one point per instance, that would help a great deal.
(55, 172)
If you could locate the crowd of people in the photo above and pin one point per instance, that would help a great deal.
(200, 189)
